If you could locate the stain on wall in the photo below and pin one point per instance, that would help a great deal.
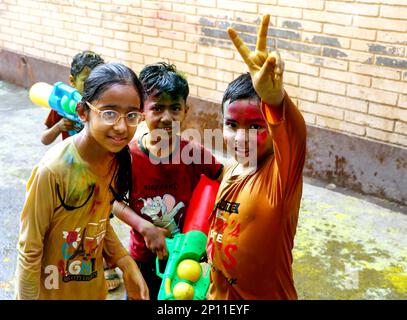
(391, 62)
(365, 166)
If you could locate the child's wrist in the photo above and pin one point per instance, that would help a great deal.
(274, 99)
(125, 263)
(144, 227)
(60, 126)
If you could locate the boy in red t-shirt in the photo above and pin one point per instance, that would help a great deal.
(165, 170)
(253, 225)
(81, 66)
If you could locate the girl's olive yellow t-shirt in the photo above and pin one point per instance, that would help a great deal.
(65, 230)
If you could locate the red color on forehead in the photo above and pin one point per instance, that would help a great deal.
(244, 111)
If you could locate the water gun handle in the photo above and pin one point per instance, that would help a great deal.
(157, 268)
(167, 280)
(170, 247)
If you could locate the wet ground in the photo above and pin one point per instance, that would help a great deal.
(347, 246)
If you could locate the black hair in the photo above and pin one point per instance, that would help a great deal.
(100, 79)
(84, 59)
(240, 88)
(107, 75)
(161, 78)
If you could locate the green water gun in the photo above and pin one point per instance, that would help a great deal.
(185, 278)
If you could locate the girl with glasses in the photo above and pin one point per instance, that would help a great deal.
(65, 231)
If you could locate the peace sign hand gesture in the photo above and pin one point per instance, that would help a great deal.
(266, 69)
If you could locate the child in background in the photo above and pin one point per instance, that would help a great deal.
(255, 218)
(81, 66)
(65, 230)
(162, 182)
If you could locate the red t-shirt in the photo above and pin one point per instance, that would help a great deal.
(161, 191)
(52, 119)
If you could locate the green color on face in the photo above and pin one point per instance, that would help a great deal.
(160, 112)
(79, 81)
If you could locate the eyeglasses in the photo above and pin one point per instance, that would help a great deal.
(111, 117)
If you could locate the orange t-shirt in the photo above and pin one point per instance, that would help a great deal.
(254, 222)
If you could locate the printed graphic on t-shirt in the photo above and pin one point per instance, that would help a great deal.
(79, 252)
(161, 187)
(231, 207)
(162, 211)
(78, 255)
(224, 226)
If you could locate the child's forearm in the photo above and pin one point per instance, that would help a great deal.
(125, 263)
(128, 216)
(49, 135)
(134, 282)
(113, 249)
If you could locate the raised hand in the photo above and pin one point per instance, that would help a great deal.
(266, 69)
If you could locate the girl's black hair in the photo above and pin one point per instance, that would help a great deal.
(240, 88)
(100, 79)
(162, 78)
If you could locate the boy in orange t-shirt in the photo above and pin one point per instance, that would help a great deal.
(255, 218)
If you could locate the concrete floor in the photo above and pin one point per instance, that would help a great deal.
(347, 246)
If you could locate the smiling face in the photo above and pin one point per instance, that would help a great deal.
(160, 112)
(239, 117)
(123, 99)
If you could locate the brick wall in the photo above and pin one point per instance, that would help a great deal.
(346, 61)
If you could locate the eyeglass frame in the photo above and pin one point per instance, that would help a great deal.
(99, 112)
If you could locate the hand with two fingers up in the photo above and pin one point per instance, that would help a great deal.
(266, 68)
